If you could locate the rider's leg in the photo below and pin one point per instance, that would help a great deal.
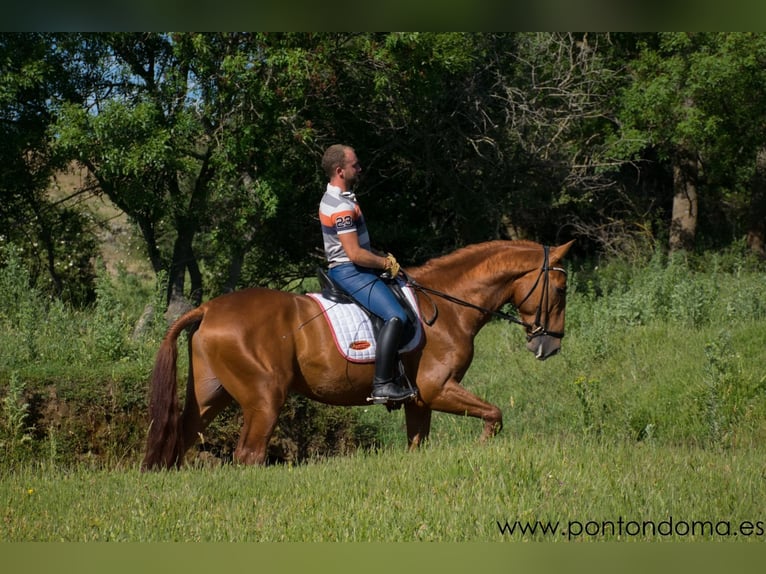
(385, 385)
(366, 287)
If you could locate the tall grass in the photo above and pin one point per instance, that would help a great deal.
(39, 336)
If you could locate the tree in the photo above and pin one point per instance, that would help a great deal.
(467, 137)
(184, 133)
(211, 142)
(756, 225)
(697, 101)
(56, 240)
(558, 101)
(734, 75)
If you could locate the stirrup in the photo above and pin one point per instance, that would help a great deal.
(406, 395)
(373, 400)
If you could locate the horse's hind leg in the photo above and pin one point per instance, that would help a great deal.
(257, 429)
(205, 399)
(260, 387)
(261, 398)
(202, 405)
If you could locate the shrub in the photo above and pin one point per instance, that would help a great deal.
(15, 432)
(21, 305)
(730, 397)
(108, 325)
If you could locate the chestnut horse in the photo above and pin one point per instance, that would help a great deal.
(257, 345)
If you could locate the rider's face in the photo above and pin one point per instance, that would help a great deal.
(351, 169)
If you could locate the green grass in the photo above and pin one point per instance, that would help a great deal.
(458, 492)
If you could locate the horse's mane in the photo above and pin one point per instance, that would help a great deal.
(468, 257)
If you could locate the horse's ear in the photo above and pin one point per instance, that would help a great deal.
(558, 253)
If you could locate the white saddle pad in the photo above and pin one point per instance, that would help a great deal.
(352, 329)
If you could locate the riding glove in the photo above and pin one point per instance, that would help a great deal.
(392, 266)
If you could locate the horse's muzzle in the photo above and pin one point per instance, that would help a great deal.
(544, 346)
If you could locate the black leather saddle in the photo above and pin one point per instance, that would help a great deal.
(334, 292)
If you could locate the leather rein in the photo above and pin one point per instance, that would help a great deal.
(536, 329)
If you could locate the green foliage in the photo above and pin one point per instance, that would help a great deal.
(22, 307)
(108, 330)
(731, 397)
(694, 292)
(15, 432)
(210, 142)
(54, 240)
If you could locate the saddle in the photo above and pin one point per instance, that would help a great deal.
(330, 289)
(335, 293)
(356, 328)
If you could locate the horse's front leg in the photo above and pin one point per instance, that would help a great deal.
(418, 418)
(454, 398)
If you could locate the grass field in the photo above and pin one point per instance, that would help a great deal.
(649, 426)
(563, 488)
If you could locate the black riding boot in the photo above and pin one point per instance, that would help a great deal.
(385, 387)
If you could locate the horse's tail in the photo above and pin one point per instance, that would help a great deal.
(165, 441)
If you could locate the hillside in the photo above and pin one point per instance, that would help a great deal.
(120, 245)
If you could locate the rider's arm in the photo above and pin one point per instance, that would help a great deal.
(359, 255)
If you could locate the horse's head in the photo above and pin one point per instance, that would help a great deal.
(542, 300)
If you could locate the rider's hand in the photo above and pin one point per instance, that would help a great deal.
(392, 266)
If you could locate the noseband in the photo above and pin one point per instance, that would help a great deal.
(536, 329)
(539, 329)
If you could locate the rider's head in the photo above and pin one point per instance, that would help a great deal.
(341, 166)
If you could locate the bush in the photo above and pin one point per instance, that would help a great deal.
(730, 399)
(15, 432)
(21, 305)
(674, 289)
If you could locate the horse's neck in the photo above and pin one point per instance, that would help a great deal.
(481, 274)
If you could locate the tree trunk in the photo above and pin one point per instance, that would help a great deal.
(683, 225)
(146, 226)
(186, 226)
(235, 271)
(756, 230)
(184, 260)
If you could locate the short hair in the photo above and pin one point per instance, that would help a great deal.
(334, 156)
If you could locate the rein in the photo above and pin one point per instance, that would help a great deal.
(536, 330)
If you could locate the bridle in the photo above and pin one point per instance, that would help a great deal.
(536, 329)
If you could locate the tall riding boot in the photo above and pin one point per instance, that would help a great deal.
(385, 387)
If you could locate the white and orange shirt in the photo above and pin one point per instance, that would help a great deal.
(340, 213)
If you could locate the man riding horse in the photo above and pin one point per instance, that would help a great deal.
(256, 346)
(356, 268)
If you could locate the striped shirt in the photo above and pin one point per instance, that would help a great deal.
(340, 213)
